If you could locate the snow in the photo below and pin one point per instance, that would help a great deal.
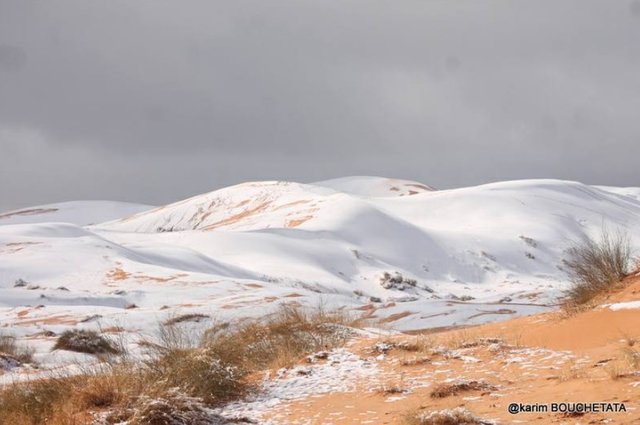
(80, 213)
(8, 363)
(374, 186)
(631, 192)
(341, 372)
(624, 306)
(239, 251)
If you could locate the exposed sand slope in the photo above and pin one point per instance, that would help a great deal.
(544, 358)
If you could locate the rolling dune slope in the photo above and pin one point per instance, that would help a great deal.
(396, 250)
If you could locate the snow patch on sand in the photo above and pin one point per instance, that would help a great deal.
(624, 305)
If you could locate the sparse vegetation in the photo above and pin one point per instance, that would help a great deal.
(632, 355)
(420, 344)
(281, 339)
(456, 416)
(387, 390)
(447, 389)
(192, 317)
(85, 341)
(572, 370)
(416, 361)
(10, 348)
(597, 266)
(529, 241)
(396, 281)
(20, 283)
(180, 376)
(198, 372)
(34, 403)
(174, 408)
(463, 298)
(615, 370)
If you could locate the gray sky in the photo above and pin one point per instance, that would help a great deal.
(154, 101)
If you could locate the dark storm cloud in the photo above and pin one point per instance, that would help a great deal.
(156, 100)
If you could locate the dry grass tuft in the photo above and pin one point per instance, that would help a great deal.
(416, 361)
(34, 403)
(629, 363)
(174, 408)
(573, 370)
(198, 372)
(616, 370)
(419, 344)
(10, 348)
(282, 339)
(456, 416)
(447, 389)
(632, 355)
(391, 390)
(192, 317)
(596, 266)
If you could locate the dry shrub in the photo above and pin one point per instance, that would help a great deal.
(456, 416)
(10, 347)
(416, 361)
(632, 355)
(281, 339)
(198, 372)
(418, 344)
(447, 389)
(192, 317)
(174, 408)
(391, 390)
(181, 372)
(66, 400)
(616, 370)
(596, 266)
(460, 339)
(85, 341)
(573, 370)
(35, 402)
(110, 385)
(629, 363)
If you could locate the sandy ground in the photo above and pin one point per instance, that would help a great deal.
(541, 359)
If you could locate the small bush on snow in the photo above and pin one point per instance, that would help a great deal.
(396, 281)
(19, 283)
(85, 341)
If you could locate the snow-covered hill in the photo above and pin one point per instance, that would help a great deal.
(81, 213)
(375, 186)
(415, 258)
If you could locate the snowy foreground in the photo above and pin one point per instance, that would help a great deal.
(451, 257)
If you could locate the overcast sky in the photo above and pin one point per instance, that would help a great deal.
(153, 101)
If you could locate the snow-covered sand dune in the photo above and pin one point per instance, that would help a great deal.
(81, 213)
(453, 257)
